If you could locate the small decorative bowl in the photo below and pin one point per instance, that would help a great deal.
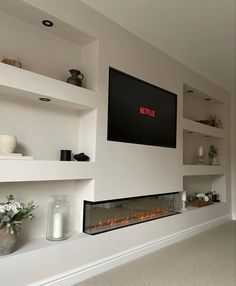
(13, 61)
(7, 144)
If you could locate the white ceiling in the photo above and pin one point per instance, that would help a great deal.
(199, 33)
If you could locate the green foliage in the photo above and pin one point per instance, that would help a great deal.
(12, 212)
(213, 152)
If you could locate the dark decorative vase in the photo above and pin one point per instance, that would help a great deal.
(75, 78)
(8, 239)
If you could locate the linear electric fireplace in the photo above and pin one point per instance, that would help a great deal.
(112, 214)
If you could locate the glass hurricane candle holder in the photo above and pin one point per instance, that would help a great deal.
(58, 221)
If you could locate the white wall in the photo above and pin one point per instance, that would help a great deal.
(122, 169)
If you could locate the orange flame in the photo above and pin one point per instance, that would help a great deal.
(131, 219)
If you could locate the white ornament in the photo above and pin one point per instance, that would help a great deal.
(183, 198)
(7, 144)
(200, 151)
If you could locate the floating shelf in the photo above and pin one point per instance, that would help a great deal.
(32, 86)
(196, 127)
(20, 171)
(199, 170)
(40, 243)
(45, 252)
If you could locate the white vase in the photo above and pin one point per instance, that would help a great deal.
(7, 144)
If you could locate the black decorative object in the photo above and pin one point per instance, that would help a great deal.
(75, 78)
(81, 157)
(47, 23)
(45, 99)
(65, 155)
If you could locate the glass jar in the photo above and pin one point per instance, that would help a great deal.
(58, 221)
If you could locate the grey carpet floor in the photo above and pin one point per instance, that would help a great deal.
(205, 259)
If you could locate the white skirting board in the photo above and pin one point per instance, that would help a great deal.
(87, 271)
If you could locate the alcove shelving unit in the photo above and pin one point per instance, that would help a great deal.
(68, 120)
(198, 106)
(32, 86)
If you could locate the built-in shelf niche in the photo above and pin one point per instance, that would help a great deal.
(41, 193)
(198, 105)
(204, 184)
(191, 142)
(43, 128)
(47, 51)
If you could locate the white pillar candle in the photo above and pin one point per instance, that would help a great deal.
(184, 196)
(200, 151)
(57, 225)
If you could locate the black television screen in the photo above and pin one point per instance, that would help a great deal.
(139, 112)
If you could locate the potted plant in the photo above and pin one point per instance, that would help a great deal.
(11, 215)
(212, 155)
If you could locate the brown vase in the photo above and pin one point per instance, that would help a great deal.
(75, 78)
(8, 239)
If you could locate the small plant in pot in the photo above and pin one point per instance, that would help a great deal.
(11, 215)
(212, 155)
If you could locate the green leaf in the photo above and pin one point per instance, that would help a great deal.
(10, 198)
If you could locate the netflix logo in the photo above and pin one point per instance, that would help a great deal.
(147, 111)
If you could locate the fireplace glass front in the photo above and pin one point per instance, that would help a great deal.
(112, 214)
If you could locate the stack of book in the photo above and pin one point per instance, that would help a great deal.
(15, 156)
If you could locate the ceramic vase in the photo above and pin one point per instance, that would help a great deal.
(7, 144)
(75, 78)
(8, 239)
(214, 161)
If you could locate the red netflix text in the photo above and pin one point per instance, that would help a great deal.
(147, 111)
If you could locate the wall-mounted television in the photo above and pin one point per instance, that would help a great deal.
(140, 112)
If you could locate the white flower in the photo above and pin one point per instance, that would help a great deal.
(15, 207)
(17, 204)
(201, 195)
(7, 207)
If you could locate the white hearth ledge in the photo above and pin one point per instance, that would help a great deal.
(87, 271)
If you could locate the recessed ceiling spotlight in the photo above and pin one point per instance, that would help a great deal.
(47, 23)
(190, 91)
(207, 99)
(45, 99)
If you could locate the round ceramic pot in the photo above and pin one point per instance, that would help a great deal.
(8, 239)
(7, 144)
(214, 162)
(75, 78)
